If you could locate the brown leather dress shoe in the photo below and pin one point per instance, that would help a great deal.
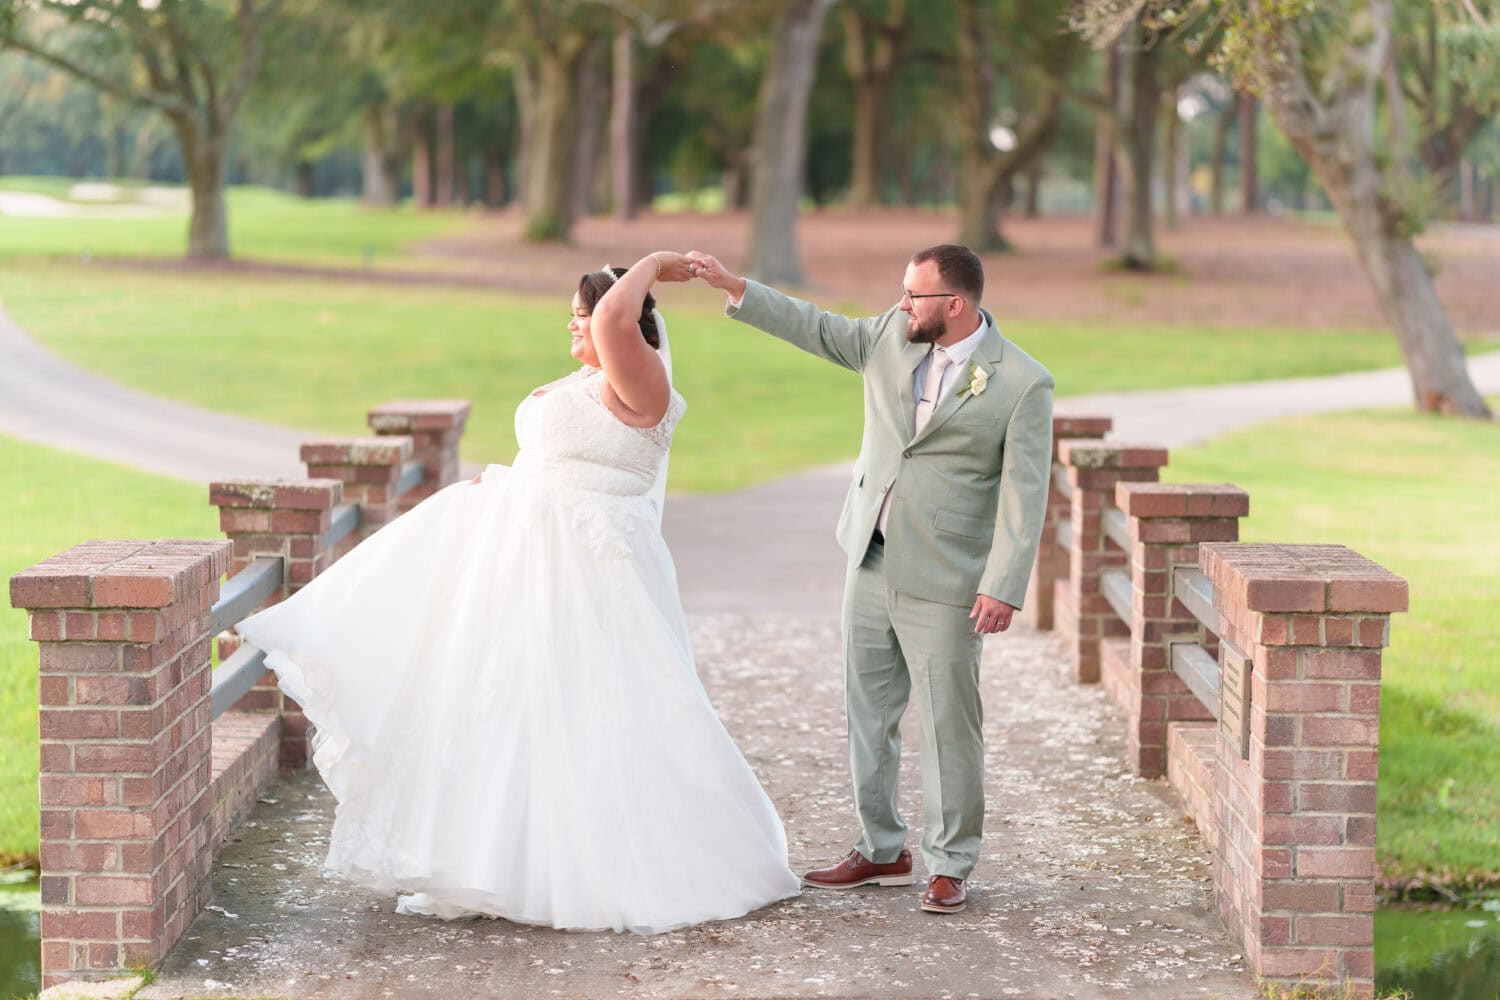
(945, 895)
(856, 870)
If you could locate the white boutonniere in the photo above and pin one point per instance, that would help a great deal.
(978, 380)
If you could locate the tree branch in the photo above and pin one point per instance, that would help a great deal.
(181, 50)
(170, 103)
(1033, 135)
(249, 21)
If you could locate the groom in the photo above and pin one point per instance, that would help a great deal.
(941, 526)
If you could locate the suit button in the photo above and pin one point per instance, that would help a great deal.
(906, 453)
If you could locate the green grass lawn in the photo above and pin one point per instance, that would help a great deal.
(1417, 495)
(51, 501)
(316, 355)
(263, 224)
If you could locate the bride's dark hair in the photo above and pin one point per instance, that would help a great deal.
(591, 288)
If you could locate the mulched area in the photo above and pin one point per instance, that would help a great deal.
(1230, 271)
(1234, 271)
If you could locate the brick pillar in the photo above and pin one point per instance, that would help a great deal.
(1167, 521)
(1052, 559)
(125, 740)
(1082, 615)
(435, 427)
(1294, 868)
(289, 520)
(369, 468)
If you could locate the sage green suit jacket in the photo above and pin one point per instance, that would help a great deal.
(970, 491)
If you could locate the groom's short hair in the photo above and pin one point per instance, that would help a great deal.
(959, 267)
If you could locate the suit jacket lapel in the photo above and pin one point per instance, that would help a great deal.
(911, 356)
(987, 356)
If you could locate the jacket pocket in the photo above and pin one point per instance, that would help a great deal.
(955, 523)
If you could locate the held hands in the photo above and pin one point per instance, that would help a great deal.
(708, 268)
(674, 266)
(993, 616)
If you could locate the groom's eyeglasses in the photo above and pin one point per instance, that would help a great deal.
(908, 296)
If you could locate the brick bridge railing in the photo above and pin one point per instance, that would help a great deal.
(1249, 675)
(149, 757)
(1250, 678)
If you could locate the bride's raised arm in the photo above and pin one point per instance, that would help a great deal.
(631, 366)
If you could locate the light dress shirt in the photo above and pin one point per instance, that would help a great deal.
(960, 353)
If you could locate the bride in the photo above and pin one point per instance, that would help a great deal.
(501, 680)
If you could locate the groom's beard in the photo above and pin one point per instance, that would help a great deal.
(925, 332)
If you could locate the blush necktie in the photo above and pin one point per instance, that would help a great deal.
(931, 386)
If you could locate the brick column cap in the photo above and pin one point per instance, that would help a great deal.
(1307, 578)
(1081, 425)
(277, 494)
(1092, 453)
(403, 416)
(1176, 500)
(122, 574)
(392, 450)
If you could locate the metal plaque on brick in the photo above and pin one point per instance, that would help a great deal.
(1234, 698)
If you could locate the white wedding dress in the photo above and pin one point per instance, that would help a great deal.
(506, 703)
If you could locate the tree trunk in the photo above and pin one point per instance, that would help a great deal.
(379, 175)
(593, 123)
(525, 77)
(1216, 164)
(204, 157)
(1172, 146)
(733, 180)
(872, 63)
(655, 77)
(1034, 174)
(1183, 189)
(1468, 202)
(987, 178)
(549, 191)
(462, 183)
(623, 143)
(1249, 181)
(1106, 163)
(1140, 101)
(304, 179)
(446, 166)
(980, 207)
(113, 155)
(940, 183)
(1337, 141)
(1434, 356)
(494, 177)
(871, 109)
(421, 162)
(781, 144)
(906, 181)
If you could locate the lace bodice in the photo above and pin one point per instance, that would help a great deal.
(567, 433)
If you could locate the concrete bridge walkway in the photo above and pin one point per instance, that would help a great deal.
(1092, 884)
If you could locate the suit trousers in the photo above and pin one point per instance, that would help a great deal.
(895, 647)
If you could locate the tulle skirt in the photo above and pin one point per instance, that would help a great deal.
(508, 713)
